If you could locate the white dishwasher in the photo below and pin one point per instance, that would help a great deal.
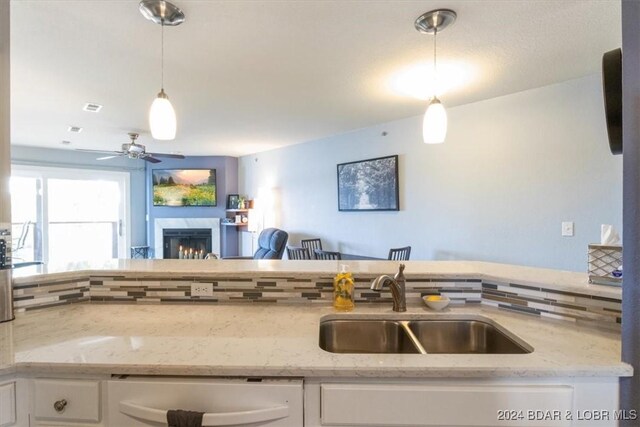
(144, 401)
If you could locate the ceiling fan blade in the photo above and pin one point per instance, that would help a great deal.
(168, 156)
(107, 157)
(150, 159)
(99, 151)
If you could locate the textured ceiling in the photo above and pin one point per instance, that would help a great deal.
(247, 76)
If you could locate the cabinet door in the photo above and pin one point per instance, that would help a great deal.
(7, 404)
(444, 405)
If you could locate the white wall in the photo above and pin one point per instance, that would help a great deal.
(511, 170)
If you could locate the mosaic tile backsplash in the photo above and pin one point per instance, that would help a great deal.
(50, 293)
(526, 299)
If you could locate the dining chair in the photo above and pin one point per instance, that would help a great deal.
(320, 254)
(399, 254)
(311, 245)
(296, 253)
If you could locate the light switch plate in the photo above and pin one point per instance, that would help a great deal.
(567, 229)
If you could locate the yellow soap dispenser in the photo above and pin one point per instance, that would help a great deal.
(343, 290)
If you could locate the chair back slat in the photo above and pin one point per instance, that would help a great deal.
(311, 245)
(400, 254)
(297, 253)
(327, 255)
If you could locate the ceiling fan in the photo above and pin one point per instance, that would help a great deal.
(133, 151)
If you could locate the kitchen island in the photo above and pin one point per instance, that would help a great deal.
(575, 362)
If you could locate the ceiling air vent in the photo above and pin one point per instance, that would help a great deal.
(74, 129)
(91, 107)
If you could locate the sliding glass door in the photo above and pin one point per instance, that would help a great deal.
(66, 215)
(26, 218)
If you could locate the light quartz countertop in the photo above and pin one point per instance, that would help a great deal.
(539, 277)
(279, 340)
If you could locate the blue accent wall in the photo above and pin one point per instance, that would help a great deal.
(226, 183)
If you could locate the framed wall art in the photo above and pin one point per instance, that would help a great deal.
(233, 201)
(369, 185)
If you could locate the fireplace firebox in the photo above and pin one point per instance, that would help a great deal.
(186, 242)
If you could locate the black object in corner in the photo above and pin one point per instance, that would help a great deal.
(612, 89)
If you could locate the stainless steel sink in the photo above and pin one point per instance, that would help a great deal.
(365, 336)
(464, 336)
(434, 336)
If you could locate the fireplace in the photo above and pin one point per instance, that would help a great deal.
(161, 224)
(192, 242)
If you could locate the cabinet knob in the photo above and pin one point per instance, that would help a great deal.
(60, 405)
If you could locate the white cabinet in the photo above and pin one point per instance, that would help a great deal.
(458, 403)
(225, 402)
(7, 404)
(437, 405)
(130, 401)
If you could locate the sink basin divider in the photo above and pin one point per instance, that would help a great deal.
(412, 336)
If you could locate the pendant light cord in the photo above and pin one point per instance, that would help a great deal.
(435, 64)
(162, 56)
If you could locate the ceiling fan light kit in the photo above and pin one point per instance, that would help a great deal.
(434, 124)
(162, 116)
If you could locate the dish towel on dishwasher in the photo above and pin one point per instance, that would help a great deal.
(180, 418)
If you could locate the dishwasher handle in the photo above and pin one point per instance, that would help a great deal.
(208, 420)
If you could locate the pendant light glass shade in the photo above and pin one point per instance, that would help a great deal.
(434, 125)
(162, 118)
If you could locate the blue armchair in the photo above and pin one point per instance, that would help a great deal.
(271, 245)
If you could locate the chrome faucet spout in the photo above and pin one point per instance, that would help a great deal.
(396, 285)
(378, 283)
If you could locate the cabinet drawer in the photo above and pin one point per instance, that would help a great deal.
(69, 400)
(138, 402)
(439, 405)
(7, 404)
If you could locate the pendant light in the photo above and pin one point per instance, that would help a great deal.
(162, 116)
(434, 124)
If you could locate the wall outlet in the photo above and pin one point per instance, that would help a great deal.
(202, 289)
(567, 229)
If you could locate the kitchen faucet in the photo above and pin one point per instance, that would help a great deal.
(397, 286)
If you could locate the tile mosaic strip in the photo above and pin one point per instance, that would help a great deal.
(552, 303)
(272, 289)
(571, 306)
(49, 294)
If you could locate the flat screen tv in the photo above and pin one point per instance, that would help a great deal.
(184, 187)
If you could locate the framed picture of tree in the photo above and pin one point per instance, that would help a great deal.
(184, 187)
(369, 185)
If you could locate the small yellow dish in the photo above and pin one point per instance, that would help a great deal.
(436, 302)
